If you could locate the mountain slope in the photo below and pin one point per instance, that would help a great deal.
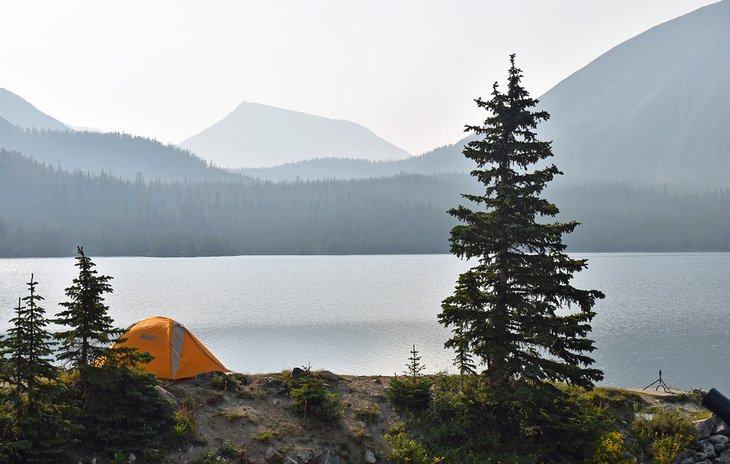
(255, 135)
(120, 155)
(21, 113)
(654, 109)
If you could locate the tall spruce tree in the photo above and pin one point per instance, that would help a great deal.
(516, 310)
(91, 331)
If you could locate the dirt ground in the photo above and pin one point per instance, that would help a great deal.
(255, 418)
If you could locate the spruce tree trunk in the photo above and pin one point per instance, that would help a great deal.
(496, 368)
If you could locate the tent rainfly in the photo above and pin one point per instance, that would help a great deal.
(177, 353)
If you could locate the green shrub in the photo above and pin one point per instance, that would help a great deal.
(611, 450)
(184, 422)
(264, 436)
(405, 450)
(666, 449)
(663, 423)
(227, 449)
(460, 421)
(368, 414)
(218, 381)
(410, 393)
(122, 411)
(311, 397)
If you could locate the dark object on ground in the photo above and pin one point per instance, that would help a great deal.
(718, 404)
(297, 373)
(659, 384)
(274, 386)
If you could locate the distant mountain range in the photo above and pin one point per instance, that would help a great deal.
(641, 134)
(653, 111)
(20, 113)
(119, 155)
(255, 135)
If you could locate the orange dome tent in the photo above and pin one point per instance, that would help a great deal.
(178, 354)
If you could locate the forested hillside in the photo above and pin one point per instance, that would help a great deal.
(48, 212)
(120, 155)
(446, 159)
(51, 211)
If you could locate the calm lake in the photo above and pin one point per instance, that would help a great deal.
(361, 314)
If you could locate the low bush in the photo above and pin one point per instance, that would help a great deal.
(405, 450)
(121, 411)
(219, 381)
(236, 414)
(368, 414)
(663, 423)
(465, 420)
(264, 435)
(611, 450)
(410, 393)
(184, 423)
(311, 397)
(666, 449)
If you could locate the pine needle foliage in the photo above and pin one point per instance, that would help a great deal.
(30, 344)
(515, 310)
(36, 414)
(90, 329)
(415, 367)
(121, 410)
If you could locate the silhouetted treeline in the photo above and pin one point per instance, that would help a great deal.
(620, 217)
(120, 155)
(446, 159)
(46, 212)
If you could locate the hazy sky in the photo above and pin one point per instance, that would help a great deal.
(408, 70)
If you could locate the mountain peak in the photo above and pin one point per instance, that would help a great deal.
(651, 110)
(258, 135)
(20, 112)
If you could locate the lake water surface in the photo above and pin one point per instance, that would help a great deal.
(361, 314)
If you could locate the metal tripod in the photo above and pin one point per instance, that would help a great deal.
(659, 384)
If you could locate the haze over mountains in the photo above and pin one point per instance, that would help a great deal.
(653, 110)
(641, 134)
(255, 135)
(25, 129)
(22, 114)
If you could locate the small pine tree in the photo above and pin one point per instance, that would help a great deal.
(463, 360)
(414, 366)
(31, 346)
(91, 331)
(35, 396)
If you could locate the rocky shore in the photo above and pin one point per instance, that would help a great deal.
(250, 419)
(712, 444)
